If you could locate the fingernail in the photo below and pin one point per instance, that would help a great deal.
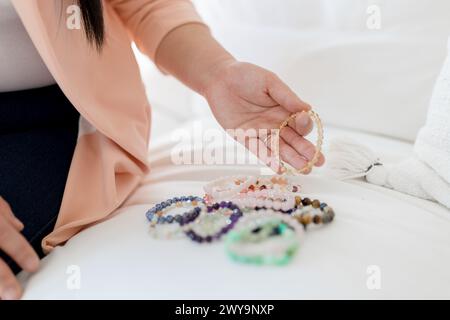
(10, 294)
(303, 120)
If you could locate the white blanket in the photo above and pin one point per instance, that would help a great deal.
(382, 245)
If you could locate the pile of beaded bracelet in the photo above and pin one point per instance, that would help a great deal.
(158, 215)
(205, 228)
(264, 238)
(312, 212)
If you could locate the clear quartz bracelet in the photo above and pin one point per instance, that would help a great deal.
(287, 169)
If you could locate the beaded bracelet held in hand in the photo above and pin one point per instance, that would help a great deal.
(315, 118)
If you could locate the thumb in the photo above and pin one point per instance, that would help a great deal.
(6, 211)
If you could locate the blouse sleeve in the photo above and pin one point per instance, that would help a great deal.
(149, 21)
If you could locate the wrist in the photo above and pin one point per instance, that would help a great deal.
(215, 70)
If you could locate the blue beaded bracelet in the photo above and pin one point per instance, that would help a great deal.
(156, 214)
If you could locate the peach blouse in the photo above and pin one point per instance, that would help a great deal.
(111, 154)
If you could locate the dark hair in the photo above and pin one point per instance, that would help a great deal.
(94, 25)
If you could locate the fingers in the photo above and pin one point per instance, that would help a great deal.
(282, 94)
(6, 211)
(302, 124)
(258, 148)
(16, 246)
(274, 117)
(301, 146)
(293, 148)
(9, 286)
(291, 156)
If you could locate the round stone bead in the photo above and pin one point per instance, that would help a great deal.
(317, 219)
(315, 204)
(150, 215)
(306, 201)
(326, 218)
(305, 219)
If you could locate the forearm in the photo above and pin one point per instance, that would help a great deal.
(192, 55)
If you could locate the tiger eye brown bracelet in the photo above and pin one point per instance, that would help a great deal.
(324, 213)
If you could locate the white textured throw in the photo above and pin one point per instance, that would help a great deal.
(427, 174)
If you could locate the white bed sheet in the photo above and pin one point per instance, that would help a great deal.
(406, 238)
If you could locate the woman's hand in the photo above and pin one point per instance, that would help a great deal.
(241, 95)
(16, 246)
(245, 96)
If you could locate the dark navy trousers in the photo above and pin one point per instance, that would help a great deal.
(38, 134)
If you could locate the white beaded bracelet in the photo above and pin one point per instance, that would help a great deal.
(226, 188)
(282, 202)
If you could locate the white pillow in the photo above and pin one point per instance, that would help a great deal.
(372, 80)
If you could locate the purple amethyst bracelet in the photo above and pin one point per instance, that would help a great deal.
(233, 218)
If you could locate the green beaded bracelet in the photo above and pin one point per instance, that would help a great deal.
(249, 245)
